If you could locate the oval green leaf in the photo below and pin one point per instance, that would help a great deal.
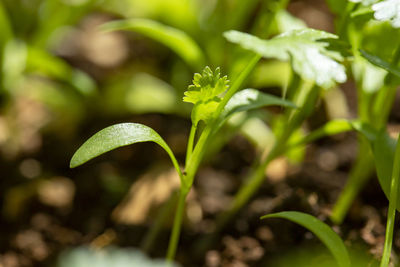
(175, 39)
(331, 240)
(119, 135)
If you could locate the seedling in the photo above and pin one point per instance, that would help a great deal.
(214, 102)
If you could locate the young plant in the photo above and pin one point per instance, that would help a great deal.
(315, 67)
(214, 102)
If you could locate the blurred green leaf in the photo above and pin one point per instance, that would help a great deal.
(115, 257)
(377, 61)
(248, 99)
(146, 93)
(337, 6)
(175, 39)
(369, 76)
(307, 50)
(388, 10)
(6, 32)
(43, 62)
(287, 22)
(331, 240)
(364, 2)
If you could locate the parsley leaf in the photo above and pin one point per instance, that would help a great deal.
(205, 93)
(307, 50)
(388, 10)
(364, 2)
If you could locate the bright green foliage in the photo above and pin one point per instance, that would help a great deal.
(115, 136)
(388, 10)
(307, 50)
(177, 40)
(205, 93)
(333, 242)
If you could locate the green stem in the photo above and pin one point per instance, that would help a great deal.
(359, 175)
(162, 216)
(176, 230)
(394, 185)
(256, 177)
(190, 144)
(378, 117)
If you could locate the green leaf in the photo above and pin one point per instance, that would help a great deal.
(248, 99)
(39, 60)
(5, 26)
(307, 50)
(331, 240)
(388, 10)
(175, 39)
(377, 61)
(393, 197)
(205, 93)
(334, 127)
(116, 136)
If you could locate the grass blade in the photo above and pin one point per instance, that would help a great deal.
(393, 199)
(331, 240)
(175, 39)
(377, 61)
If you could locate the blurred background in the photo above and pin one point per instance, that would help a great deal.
(62, 80)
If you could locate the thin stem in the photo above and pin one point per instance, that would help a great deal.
(176, 230)
(162, 216)
(359, 175)
(394, 189)
(190, 144)
(256, 177)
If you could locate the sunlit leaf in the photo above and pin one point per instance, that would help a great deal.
(175, 39)
(287, 22)
(206, 93)
(116, 136)
(331, 240)
(377, 61)
(388, 10)
(307, 49)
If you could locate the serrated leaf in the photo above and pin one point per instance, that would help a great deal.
(388, 10)
(205, 93)
(331, 240)
(306, 48)
(248, 99)
(116, 136)
(177, 40)
(377, 61)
